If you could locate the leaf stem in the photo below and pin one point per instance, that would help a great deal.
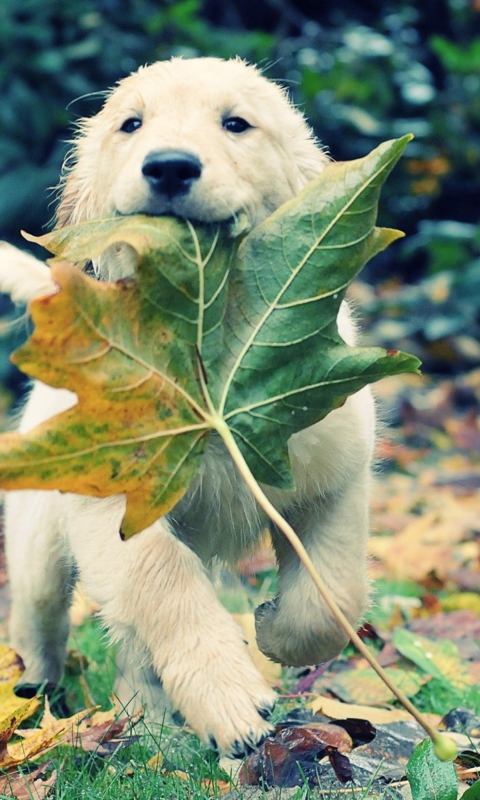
(437, 738)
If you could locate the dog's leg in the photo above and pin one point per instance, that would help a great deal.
(331, 516)
(22, 276)
(40, 573)
(137, 685)
(155, 587)
(296, 628)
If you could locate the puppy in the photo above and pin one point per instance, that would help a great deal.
(207, 140)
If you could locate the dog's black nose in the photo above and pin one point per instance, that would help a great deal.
(171, 172)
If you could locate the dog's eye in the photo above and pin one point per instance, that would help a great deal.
(236, 124)
(131, 124)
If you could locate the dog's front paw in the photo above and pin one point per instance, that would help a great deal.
(227, 707)
(240, 737)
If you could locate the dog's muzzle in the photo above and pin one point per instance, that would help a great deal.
(171, 172)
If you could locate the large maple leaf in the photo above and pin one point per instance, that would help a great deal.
(211, 332)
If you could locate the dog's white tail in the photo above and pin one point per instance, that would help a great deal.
(22, 276)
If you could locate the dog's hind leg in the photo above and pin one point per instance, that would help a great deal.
(41, 581)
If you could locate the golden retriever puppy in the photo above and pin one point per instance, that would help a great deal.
(202, 139)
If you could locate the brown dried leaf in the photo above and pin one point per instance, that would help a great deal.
(91, 730)
(340, 764)
(314, 737)
(267, 766)
(451, 625)
(28, 787)
(290, 757)
(360, 730)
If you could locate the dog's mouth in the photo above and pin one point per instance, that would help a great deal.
(236, 224)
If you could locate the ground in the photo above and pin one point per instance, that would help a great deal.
(424, 626)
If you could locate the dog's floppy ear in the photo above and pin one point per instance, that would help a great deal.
(306, 153)
(76, 199)
(67, 209)
(73, 190)
(309, 157)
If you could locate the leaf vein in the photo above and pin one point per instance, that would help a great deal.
(111, 445)
(303, 261)
(139, 360)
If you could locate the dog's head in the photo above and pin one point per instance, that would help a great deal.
(203, 139)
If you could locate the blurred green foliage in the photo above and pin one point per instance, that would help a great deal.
(55, 57)
(363, 72)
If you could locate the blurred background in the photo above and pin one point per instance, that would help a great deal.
(362, 72)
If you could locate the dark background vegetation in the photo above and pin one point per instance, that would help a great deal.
(363, 72)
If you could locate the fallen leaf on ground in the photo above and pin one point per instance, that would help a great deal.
(269, 669)
(39, 741)
(11, 665)
(440, 659)
(28, 786)
(291, 756)
(363, 686)
(216, 788)
(425, 545)
(11, 670)
(160, 765)
(155, 763)
(8, 725)
(91, 730)
(462, 601)
(450, 625)
(336, 710)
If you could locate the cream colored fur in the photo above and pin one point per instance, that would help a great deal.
(154, 590)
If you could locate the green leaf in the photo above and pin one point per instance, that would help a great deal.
(287, 365)
(440, 659)
(211, 330)
(128, 350)
(430, 778)
(134, 429)
(473, 792)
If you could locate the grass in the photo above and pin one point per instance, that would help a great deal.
(95, 677)
(440, 697)
(126, 775)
